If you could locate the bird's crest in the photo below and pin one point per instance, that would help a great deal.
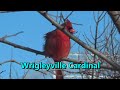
(68, 23)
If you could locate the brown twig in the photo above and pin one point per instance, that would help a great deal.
(69, 15)
(2, 71)
(115, 18)
(9, 61)
(21, 47)
(7, 36)
(115, 65)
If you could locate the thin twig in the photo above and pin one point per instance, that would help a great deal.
(25, 74)
(77, 24)
(21, 47)
(2, 71)
(7, 36)
(69, 15)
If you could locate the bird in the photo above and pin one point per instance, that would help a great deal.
(57, 45)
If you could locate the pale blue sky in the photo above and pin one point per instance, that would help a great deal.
(35, 26)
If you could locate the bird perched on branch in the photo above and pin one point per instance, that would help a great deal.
(57, 45)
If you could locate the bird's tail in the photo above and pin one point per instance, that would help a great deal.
(59, 74)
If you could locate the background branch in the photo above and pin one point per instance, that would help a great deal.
(102, 56)
(7, 36)
(115, 16)
(94, 50)
(21, 47)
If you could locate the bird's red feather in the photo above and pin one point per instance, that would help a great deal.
(57, 45)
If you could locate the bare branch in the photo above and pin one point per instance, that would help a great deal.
(55, 16)
(77, 24)
(7, 36)
(67, 33)
(79, 62)
(69, 15)
(101, 17)
(25, 74)
(94, 17)
(115, 17)
(2, 71)
(20, 47)
(88, 39)
(103, 31)
(115, 65)
(91, 33)
(10, 61)
(34, 51)
(62, 17)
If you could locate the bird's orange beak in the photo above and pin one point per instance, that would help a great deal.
(72, 31)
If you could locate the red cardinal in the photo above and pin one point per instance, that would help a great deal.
(57, 45)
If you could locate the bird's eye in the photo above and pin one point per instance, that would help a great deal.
(70, 28)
